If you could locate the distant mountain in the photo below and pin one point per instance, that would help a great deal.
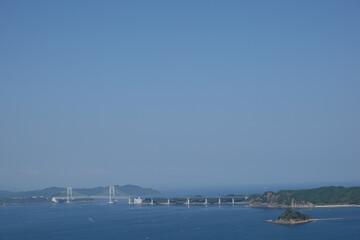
(126, 190)
(47, 192)
(134, 190)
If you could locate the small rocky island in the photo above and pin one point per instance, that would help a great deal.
(290, 217)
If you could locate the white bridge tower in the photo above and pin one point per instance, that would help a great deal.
(69, 194)
(111, 194)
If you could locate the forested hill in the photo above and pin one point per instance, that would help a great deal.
(316, 196)
(292, 217)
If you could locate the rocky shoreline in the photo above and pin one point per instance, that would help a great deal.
(281, 206)
(291, 222)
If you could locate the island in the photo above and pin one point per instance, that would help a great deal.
(290, 217)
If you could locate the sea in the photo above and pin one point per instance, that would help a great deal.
(99, 220)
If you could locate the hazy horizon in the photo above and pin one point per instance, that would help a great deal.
(179, 94)
(198, 189)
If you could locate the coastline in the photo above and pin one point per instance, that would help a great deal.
(307, 221)
(336, 205)
(289, 222)
(300, 206)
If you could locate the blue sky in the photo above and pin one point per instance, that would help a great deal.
(170, 94)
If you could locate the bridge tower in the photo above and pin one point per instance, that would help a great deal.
(111, 194)
(188, 201)
(69, 194)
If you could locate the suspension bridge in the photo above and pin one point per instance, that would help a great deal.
(195, 200)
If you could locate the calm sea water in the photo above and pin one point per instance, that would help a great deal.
(121, 221)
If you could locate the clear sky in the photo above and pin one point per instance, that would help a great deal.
(179, 93)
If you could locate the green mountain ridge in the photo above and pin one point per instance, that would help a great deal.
(316, 196)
